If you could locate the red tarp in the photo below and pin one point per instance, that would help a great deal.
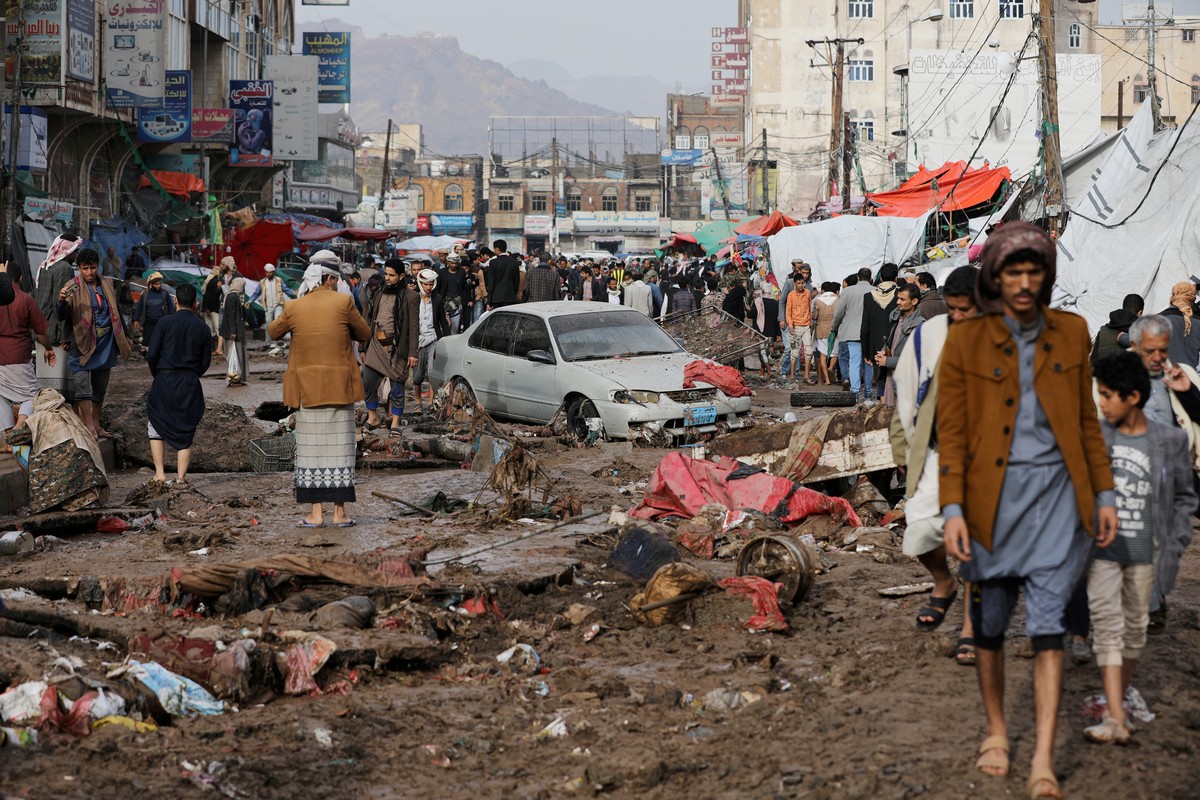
(681, 486)
(970, 188)
(261, 243)
(320, 233)
(766, 226)
(727, 379)
(177, 183)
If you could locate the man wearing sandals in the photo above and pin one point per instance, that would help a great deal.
(914, 447)
(1024, 476)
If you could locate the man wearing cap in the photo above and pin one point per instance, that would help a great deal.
(272, 294)
(453, 294)
(154, 304)
(322, 381)
(432, 325)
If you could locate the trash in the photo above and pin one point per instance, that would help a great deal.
(578, 612)
(22, 705)
(789, 416)
(782, 559)
(640, 553)
(302, 661)
(521, 658)
(324, 737)
(110, 524)
(230, 675)
(1096, 706)
(593, 632)
(674, 582)
(906, 589)
(729, 699)
(481, 604)
(868, 501)
(14, 542)
(179, 696)
(108, 704)
(356, 611)
(695, 451)
(47, 542)
(555, 730)
(764, 594)
(125, 722)
(18, 737)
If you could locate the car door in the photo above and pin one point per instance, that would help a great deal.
(484, 361)
(529, 386)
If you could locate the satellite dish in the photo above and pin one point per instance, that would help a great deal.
(454, 169)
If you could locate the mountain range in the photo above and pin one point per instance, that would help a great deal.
(428, 79)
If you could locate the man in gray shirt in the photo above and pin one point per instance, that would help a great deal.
(847, 324)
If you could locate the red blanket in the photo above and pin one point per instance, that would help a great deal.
(727, 379)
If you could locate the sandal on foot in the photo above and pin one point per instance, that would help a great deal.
(1044, 786)
(1107, 731)
(993, 755)
(935, 608)
(306, 524)
(347, 524)
(964, 653)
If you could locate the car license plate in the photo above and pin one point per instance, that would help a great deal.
(699, 415)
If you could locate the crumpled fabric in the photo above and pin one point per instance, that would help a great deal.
(53, 422)
(764, 595)
(727, 379)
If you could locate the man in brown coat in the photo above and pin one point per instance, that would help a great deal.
(322, 383)
(1024, 476)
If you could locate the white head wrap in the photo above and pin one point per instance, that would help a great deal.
(428, 276)
(314, 275)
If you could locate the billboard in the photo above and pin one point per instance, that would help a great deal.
(172, 122)
(254, 114)
(212, 125)
(399, 212)
(81, 40)
(33, 138)
(957, 102)
(39, 27)
(333, 79)
(135, 68)
(295, 79)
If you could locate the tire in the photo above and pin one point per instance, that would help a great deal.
(461, 385)
(579, 410)
(822, 399)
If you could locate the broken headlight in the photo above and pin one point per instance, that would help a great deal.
(635, 396)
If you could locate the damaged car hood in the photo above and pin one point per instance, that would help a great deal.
(661, 373)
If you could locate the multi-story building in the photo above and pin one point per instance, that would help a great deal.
(447, 195)
(1125, 50)
(790, 86)
(702, 132)
(330, 186)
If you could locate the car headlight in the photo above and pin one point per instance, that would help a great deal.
(635, 396)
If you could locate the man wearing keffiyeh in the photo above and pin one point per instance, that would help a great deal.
(55, 272)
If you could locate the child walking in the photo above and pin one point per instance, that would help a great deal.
(1155, 501)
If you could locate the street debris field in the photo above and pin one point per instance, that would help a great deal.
(561, 621)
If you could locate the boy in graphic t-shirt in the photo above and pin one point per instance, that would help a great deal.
(1155, 500)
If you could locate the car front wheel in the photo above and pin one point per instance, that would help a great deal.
(583, 421)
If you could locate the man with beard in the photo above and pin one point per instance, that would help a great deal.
(391, 349)
(431, 326)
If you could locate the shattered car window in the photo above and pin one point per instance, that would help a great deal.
(607, 334)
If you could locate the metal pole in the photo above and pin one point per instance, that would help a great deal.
(383, 177)
(1120, 105)
(1050, 135)
(766, 178)
(847, 160)
(1151, 41)
(721, 184)
(553, 194)
(835, 135)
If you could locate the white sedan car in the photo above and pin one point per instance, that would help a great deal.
(613, 369)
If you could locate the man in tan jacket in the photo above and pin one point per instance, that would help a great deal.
(322, 383)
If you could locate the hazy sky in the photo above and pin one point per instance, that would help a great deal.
(664, 39)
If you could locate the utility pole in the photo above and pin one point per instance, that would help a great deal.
(1120, 104)
(383, 177)
(847, 160)
(766, 179)
(1152, 78)
(836, 130)
(1051, 144)
(721, 185)
(553, 193)
(8, 214)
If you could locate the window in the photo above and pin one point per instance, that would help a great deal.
(1195, 89)
(574, 199)
(861, 69)
(539, 203)
(862, 9)
(1012, 9)
(531, 335)
(496, 334)
(417, 194)
(452, 200)
(504, 202)
(643, 202)
(1189, 34)
(683, 138)
(608, 200)
(864, 130)
(700, 140)
(1074, 36)
(1140, 92)
(962, 9)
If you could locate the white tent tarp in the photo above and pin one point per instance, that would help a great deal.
(1137, 228)
(841, 246)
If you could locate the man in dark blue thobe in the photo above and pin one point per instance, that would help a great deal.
(180, 352)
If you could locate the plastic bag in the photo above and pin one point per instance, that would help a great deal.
(178, 695)
(234, 371)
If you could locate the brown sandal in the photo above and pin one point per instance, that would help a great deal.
(1041, 778)
(993, 755)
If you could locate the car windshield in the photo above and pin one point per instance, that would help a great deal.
(607, 334)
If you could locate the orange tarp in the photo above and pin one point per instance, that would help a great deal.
(176, 183)
(766, 226)
(971, 189)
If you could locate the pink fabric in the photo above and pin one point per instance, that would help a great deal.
(764, 595)
(727, 379)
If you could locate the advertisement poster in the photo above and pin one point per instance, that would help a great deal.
(333, 80)
(295, 79)
(81, 40)
(172, 122)
(253, 109)
(133, 53)
(212, 125)
(42, 209)
(33, 137)
(41, 26)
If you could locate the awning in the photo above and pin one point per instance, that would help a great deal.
(956, 189)
(180, 184)
(320, 233)
(766, 226)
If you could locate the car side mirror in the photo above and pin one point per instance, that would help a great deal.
(539, 357)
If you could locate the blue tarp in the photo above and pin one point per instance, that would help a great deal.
(118, 233)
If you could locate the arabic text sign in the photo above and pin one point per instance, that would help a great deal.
(45, 209)
(81, 40)
(253, 145)
(172, 122)
(334, 76)
(38, 26)
(135, 69)
(212, 125)
(295, 105)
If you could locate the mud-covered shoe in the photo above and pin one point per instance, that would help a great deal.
(1107, 731)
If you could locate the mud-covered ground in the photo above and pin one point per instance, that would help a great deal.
(853, 702)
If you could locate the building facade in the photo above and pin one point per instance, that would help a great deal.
(1125, 49)
(790, 87)
(704, 131)
(330, 186)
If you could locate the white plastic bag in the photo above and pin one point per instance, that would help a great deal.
(234, 371)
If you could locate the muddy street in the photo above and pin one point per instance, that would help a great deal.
(520, 671)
